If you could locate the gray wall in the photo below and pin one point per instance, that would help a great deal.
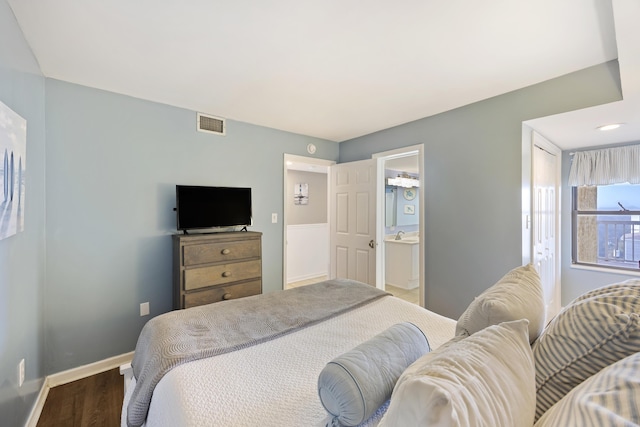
(316, 211)
(578, 280)
(112, 165)
(473, 179)
(22, 89)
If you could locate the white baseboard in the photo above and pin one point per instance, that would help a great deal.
(302, 277)
(85, 371)
(70, 375)
(34, 416)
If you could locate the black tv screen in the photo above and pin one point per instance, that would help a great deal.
(210, 207)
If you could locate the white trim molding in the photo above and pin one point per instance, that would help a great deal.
(34, 416)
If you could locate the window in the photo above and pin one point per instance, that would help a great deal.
(606, 207)
(606, 225)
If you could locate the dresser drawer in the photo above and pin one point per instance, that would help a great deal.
(205, 253)
(222, 293)
(220, 274)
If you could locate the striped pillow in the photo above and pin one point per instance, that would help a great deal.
(609, 398)
(594, 331)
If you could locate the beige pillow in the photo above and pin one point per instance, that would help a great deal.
(518, 295)
(609, 398)
(486, 379)
(594, 331)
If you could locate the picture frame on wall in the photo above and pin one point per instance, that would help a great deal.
(409, 193)
(409, 209)
(13, 150)
(301, 194)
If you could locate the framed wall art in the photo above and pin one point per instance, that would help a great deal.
(301, 194)
(13, 150)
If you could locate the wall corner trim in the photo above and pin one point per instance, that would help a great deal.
(34, 416)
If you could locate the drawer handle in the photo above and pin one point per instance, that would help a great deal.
(226, 296)
(226, 251)
(226, 274)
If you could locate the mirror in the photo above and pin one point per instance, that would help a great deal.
(401, 192)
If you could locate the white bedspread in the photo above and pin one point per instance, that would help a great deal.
(275, 383)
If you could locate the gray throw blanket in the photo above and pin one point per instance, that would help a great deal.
(177, 337)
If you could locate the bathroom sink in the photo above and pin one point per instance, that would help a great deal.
(411, 239)
(405, 239)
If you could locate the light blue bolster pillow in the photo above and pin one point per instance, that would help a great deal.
(355, 384)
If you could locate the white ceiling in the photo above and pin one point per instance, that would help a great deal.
(577, 129)
(333, 69)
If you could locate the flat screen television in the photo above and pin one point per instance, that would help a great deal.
(201, 207)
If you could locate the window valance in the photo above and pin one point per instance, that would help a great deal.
(606, 166)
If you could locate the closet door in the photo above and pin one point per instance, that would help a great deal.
(546, 220)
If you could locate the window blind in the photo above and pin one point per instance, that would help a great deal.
(606, 166)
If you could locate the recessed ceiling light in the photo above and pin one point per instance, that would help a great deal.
(611, 126)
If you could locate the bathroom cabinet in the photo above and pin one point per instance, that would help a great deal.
(402, 268)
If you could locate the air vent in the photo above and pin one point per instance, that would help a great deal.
(211, 124)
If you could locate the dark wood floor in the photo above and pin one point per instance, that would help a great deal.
(95, 401)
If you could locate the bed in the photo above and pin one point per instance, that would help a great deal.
(278, 378)
(499, 364)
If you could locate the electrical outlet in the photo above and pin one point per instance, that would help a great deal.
(274, 218)
(144, 309)
(21, 373)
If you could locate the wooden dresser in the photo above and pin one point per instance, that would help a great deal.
(215, 267)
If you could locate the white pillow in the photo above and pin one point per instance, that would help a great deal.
(609, 398)
(486, 379)
(594, 331)
(517, 295)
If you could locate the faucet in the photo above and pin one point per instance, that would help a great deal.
(398, 236)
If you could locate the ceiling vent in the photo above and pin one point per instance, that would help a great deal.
(211, 124)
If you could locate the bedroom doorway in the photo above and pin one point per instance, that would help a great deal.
(297, 251)
(305, 219)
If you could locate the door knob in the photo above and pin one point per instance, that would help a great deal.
(372, 244)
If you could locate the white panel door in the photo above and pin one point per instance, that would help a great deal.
(545, 224)
(353, 221)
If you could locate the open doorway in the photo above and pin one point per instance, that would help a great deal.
(400, 223)
(305, 220)
(401, 238)
(304, 240)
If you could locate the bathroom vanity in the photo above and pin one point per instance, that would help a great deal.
(401, 261)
